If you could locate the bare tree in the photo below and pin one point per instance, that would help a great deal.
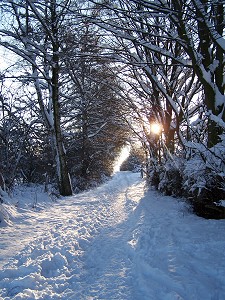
(32, 33)
(160, 73)
(94, 103)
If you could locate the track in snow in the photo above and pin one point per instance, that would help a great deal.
(116, 242)
(77, 245)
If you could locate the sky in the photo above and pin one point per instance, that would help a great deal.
(7, 58)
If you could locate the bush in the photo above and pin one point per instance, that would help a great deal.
(205, 194)
(171, 178)
(194, 180)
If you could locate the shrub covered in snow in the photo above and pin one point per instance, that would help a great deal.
(200, 179)
(171, 178)
(153, 171)
(202, 183)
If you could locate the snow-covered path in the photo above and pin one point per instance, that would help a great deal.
(114, 242)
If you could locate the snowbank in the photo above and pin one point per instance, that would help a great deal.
(118, 241)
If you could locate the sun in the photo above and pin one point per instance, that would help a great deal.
(156, 128)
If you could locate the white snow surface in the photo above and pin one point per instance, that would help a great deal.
(118, 241)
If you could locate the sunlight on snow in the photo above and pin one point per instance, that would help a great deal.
(122, 240)
(124, 154)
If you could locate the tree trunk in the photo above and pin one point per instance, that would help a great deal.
(63, 177)
(204, 58)
(85, 145)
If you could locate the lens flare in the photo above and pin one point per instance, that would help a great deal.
(156, 128)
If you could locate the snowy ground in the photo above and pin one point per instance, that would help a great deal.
(118, 241)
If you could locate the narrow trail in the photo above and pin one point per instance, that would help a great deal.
(76, 241)
(118, 241)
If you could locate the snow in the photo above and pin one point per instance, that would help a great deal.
(118, 241)
(124, 154)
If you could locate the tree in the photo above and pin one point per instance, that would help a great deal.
(15, 136)
(176, 53)
(94, 104)
(34, 35)
(159, 74)
(184, 33)
(200, 26)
